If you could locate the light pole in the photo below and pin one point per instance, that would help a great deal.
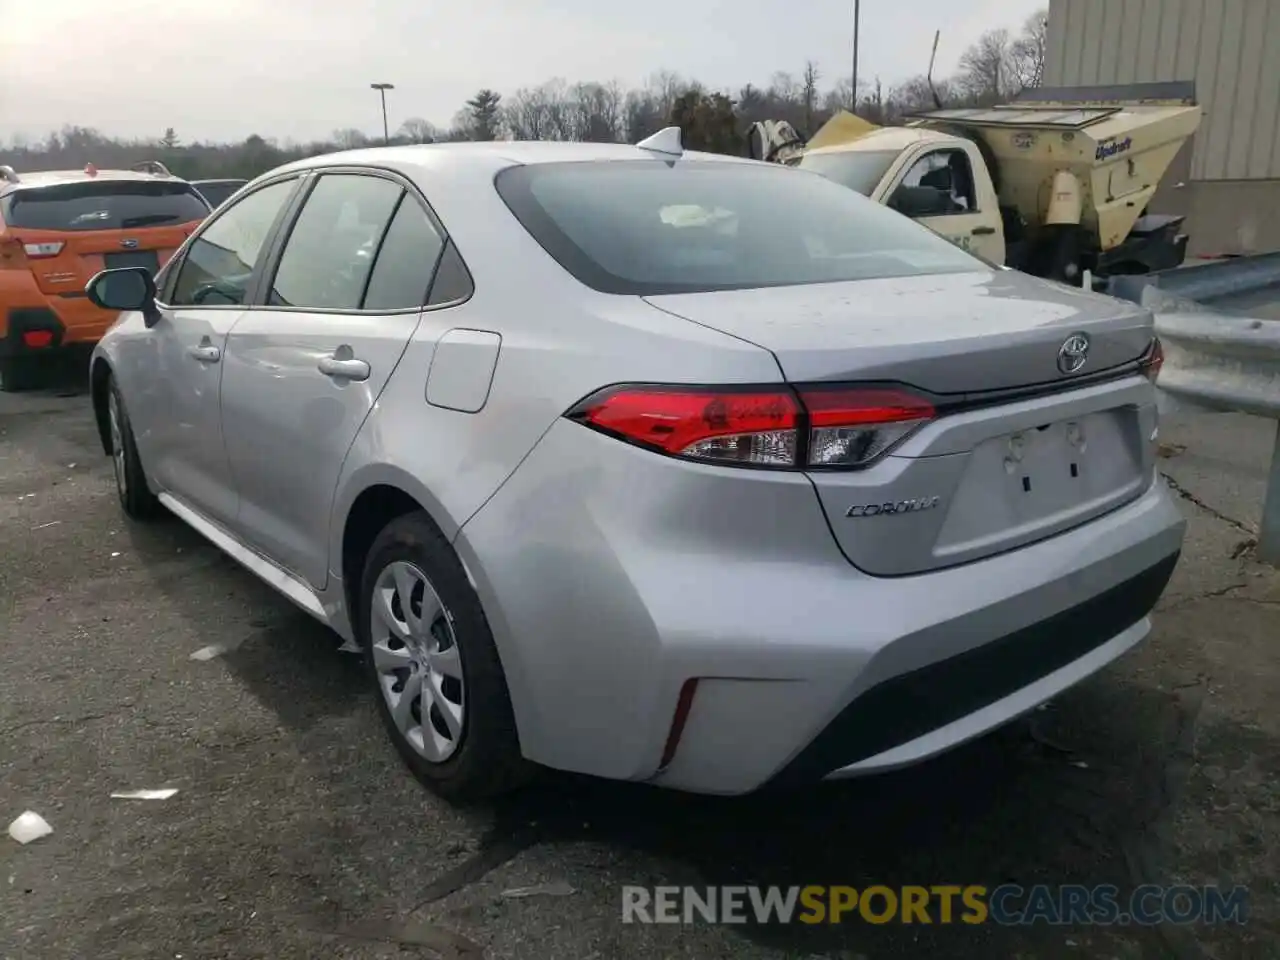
(382, 89)
(853, 95)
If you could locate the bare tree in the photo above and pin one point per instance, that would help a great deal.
(526, 114)
(599, 111)
(349, 139)
(1028, 51)
(986, 68)
(418, 130)
(809, 94)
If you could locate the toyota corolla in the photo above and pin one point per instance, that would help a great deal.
(644, 463)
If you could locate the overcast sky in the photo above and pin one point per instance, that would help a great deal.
(223, 69)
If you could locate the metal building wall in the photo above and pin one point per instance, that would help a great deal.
(1231, 48)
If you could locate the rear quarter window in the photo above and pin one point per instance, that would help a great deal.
(103, 205)
(646, 227)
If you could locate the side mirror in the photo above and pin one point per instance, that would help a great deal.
(128, 288)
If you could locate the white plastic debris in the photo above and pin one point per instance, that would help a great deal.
(1080, 763)
(164, 794)
(559, 889)
(29, 826)
(209, 652)
(43, 526)
(115, 553)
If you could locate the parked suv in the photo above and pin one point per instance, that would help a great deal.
(57, 229)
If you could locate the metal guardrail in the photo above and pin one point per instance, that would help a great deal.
(1217, 357)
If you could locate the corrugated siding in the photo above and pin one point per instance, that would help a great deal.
(1231, 48)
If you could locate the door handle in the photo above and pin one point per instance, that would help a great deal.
(983, 231)
(206, 353)
(346, 369)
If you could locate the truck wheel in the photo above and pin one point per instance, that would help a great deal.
(1064, 256)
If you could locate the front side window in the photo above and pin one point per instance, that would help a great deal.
(330, 251)
(219, 264)
(648, 228)
(104, 205)
(949, 175)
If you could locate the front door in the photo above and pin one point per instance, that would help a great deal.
(303, 371)
(960, 212)
(205, 298)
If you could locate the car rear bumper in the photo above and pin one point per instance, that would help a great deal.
(61, 322)
(615, 579)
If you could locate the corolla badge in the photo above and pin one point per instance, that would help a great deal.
(894, 508)
(1074, 353)
(129, 244)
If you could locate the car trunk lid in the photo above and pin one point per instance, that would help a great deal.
(1018, 449)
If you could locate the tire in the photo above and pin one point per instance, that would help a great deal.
(136, 498)
(453, 659)
(21, 373)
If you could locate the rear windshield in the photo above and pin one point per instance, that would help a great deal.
(217, 191)
(646, 227)
(105, 205)
(858, 170)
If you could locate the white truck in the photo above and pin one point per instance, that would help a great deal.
(1054, 184)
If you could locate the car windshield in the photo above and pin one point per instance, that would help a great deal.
(647, 227)
(858, 170)
(104, 205)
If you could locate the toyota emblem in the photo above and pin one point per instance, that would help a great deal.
(129, 244)
(1073, 353)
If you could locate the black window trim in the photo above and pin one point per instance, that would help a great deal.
(171, 270)
(281, 237)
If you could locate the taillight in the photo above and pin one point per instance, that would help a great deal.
(12, 256)
(1153, 360)
(777, 427)
(852, 427)
(40, 251)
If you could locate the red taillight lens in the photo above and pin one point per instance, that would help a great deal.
(763, 427)
(754, 427)
(1153, 360)
(37, 339)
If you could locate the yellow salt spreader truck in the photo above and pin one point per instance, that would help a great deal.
(1055, 184)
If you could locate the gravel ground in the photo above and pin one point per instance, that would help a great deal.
(296, 833)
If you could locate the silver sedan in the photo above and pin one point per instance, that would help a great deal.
(643, 463)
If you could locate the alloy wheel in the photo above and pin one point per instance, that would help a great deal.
(117, 444)
(416, 659)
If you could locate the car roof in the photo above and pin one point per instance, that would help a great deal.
(884, 138)
(49, 178)
(485, 159)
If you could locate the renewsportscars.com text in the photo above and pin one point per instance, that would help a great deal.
(1006, 905)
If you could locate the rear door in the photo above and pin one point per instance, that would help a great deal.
(72, 231)
(304, 368)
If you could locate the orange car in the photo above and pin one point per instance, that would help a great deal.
(59, 228)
